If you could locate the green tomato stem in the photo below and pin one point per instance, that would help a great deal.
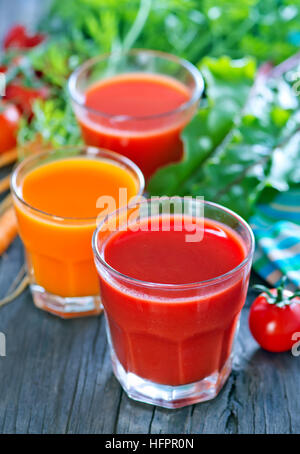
(278, 297)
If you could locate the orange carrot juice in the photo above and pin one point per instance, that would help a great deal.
(56, 204)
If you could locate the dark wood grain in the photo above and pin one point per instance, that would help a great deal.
(56, 376)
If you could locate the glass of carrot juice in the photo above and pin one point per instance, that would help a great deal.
(56, 199)
(136, 103)
(173, 277)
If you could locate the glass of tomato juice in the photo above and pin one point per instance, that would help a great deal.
(173, 278)
(56, 199)
(136, 103)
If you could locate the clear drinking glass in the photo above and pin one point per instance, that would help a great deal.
(59, 257)
(171, 344)
(150, 141)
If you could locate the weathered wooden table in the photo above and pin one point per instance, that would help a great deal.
(56, 376)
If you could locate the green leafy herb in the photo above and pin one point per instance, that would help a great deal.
(256, 154)
(54, 122)
(243, 145)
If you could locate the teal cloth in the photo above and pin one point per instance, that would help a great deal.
(277, 233)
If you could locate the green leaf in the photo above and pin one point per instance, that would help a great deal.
(233, 155)
(258, 157)
(285, 167)
(54, 121)
(213, 121)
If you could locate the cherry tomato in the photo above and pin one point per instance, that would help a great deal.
(9, 123)
(274, 317)
(23, 97)
(18, 38)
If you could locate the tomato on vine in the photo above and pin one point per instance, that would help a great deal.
(274, 317)
(18, 38)
(24, 96)
(9, 124)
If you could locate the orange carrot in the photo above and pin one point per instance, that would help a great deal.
(4, 184)
(8, 157)
(8, 229)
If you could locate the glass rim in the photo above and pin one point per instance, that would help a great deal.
(195, 73)
(184, 286)
(102, 152)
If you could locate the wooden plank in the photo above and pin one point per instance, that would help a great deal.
(57, 378)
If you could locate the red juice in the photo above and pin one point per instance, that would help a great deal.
(135, 114)
(174, 337)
